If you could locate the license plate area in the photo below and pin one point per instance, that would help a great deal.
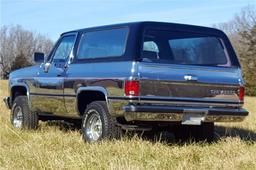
(193, 117)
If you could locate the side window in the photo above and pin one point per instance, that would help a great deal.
(150, 50)
(64, 48)
(101, 44)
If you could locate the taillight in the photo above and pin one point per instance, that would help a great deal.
(132, 88)
(241, 93)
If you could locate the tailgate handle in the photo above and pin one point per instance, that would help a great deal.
(190, 78)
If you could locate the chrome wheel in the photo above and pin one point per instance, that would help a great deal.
(17, 117)
(93, 125)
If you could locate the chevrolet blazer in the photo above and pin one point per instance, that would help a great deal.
(141, 75)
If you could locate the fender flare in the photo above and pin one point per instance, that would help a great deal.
(27, 93)
(91, 88)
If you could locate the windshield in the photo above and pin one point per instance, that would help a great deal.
(184, 48)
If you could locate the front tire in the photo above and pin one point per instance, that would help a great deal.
(21, 116)
(98, 124)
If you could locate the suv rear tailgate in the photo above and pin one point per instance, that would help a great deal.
(189, 85)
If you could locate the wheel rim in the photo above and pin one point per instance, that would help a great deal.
(93, 125)
(17, 117)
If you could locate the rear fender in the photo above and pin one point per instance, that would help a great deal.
(91, 88)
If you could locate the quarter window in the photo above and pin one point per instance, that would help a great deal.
(101, 44)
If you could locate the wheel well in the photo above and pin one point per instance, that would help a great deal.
(86, 97)
(18, 91)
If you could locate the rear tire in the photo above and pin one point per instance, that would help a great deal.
(21, 116)
(204, 132)
(98, 124)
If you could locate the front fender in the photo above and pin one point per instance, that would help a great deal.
(24, 85)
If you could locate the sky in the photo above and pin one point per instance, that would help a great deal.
(52, 17)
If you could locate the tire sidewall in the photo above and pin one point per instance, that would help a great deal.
(17, 103)
(101, 112)
(29, 119)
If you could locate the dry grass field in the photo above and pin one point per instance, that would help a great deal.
(52, 147)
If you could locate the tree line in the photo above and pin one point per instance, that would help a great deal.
(18, 45)
(241, 30)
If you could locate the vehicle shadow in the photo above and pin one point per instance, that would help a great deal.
(165, 136)
(243, 134)
(220, 133)
(64, 125)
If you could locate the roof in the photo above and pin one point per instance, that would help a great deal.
(162, 25)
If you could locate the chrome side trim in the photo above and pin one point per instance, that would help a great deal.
(116, 107)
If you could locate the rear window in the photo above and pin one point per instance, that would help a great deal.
(101, 44)
(184, 48)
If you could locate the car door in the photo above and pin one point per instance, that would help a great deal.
(48, 96)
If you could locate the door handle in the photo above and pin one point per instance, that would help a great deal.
(190, 78)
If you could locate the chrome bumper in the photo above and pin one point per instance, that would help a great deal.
(7, 102)
(172, 113)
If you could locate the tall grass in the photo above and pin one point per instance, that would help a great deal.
(51, 147)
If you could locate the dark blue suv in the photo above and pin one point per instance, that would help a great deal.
(140, 76)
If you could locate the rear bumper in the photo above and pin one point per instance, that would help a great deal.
(7, 102)
(172, 113)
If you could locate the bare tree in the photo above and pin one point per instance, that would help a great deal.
(17, 47)
(242, 33)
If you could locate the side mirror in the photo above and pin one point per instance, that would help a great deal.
(46, 67)
(38, 57)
